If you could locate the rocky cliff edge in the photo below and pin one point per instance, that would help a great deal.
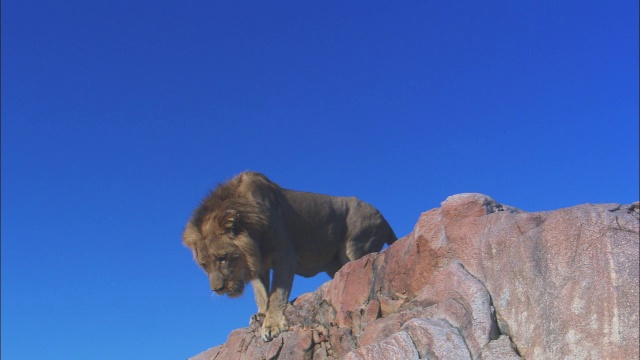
(474, 280)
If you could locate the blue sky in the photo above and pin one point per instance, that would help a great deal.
(119, 116)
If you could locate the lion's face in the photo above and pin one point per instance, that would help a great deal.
(225, 266)
(218, 255)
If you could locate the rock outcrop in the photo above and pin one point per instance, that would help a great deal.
(474, 280)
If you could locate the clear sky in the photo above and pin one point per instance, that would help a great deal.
(119, 116)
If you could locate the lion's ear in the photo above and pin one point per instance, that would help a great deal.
(229, 221)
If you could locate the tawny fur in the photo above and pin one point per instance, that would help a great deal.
(249, 226)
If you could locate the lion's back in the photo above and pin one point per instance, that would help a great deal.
(332, 221)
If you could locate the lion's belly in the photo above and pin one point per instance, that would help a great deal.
(311, 264)
(307, 272)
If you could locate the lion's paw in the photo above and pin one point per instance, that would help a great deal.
(273, 326)
(256, 320)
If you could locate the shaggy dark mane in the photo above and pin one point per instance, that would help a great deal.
(250, 194)
(223, 193)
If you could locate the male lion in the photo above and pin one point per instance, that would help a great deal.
(250, 225)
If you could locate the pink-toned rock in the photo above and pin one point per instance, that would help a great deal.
(341, 341)
(272, 350)
(241, 344)
(462, 300)
(382, 328)
(351, 289)
(371, 311)
(564, 283)
(437, 339)
(296, 345)
(407, 265)
(208, 355)
(500, 349)
(396, 346)
(475, 280)
(390, 305)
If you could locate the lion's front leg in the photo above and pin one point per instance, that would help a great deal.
(261, 293)
(274, 324)
(275, 321)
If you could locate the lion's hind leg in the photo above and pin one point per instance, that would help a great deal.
(335, 265)
(353, 249)
(365, 241)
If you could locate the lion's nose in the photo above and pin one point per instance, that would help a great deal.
(216, 283)
(217, 288)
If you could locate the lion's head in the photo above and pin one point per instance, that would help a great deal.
(223, 250)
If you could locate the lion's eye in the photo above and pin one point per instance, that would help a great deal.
(222, 258)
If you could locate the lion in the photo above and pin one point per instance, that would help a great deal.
(249, 226)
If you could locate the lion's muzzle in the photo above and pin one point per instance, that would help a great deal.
(231, 288)
(219, 291)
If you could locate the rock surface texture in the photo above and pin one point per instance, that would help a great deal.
(474, 280)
